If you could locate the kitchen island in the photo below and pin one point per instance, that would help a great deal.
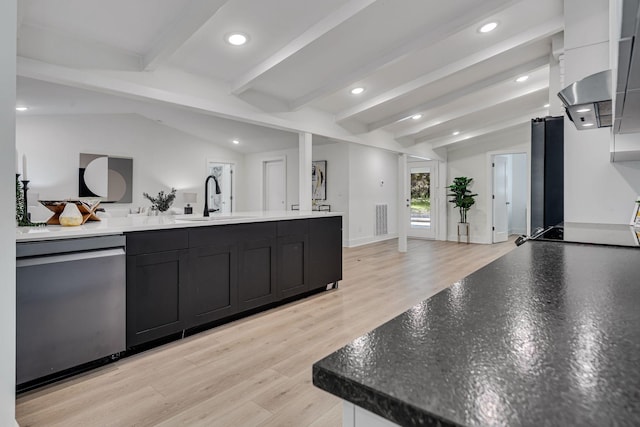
(549, 334)
(131, 223)
(144, 280)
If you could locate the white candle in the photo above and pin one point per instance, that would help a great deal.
(17, 171)
(24, 167)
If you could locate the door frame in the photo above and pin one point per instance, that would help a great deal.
(489, 197)
(263, 193)
(233, 165)
(433, 171)
(508, 179)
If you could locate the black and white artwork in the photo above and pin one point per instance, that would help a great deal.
(106, 177)
(216, 199)
(319, 180)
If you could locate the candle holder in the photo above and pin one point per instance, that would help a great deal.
(25, 212)
(23, 219)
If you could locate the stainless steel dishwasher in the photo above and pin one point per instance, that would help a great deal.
(70, 304)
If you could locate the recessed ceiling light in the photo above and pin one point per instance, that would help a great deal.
(587, 124)
(522, 79)
(546, 105)
(456, 133)
(357, 90)
(237, 39)
(416, 116)
(583, 110)
(488, 27)
(22, 108)
(235, 141)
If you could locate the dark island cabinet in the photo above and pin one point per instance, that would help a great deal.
(293, 258)
(156, 291)
(184, 278)
(257, 264)
(325, 251)
(213, 285)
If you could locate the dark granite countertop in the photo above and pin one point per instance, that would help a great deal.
(547, 335)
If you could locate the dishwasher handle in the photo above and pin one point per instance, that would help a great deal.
(75, 256)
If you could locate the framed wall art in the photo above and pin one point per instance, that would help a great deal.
(319, 180)
(635, 217)
(107, 177)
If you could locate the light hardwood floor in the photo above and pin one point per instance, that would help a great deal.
(257, 371)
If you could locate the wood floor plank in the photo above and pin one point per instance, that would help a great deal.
(256, 371)
(247, 415)
(331, 418)
(229, 401)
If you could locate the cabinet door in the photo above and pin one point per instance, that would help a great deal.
(257, 270)
(293, 257)
(325, 251)
(293, 265)
(213, 288)
(156, 297)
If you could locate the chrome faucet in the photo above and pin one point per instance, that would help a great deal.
(206, 193)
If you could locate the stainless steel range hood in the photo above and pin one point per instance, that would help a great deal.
(588, 101)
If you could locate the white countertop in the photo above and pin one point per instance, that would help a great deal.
(141, 223)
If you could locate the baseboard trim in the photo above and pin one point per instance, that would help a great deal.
(454, 238)
(371, 239)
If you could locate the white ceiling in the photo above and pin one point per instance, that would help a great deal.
(45, 98)
(411, 56)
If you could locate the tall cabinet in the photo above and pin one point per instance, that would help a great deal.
(547, 172)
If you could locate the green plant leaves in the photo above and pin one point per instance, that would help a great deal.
(163, 201)
(461, 196)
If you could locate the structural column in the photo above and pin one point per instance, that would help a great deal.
(403, 202)
(8, 22)
(305, 149)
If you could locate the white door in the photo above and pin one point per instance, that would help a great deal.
(421, 211)
(275, 185)
(500, 200)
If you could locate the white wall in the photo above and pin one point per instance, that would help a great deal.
(373, 179)
(595, 190)
(337, 157)
(471, 161)
(253, 189)
(162, 156)
(7, 212)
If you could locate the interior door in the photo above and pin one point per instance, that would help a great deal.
(500, 200)
(421, 186)
(275, 185)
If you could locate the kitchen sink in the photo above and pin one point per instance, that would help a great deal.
(209, 218)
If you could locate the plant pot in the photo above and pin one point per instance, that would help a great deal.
(463, 231)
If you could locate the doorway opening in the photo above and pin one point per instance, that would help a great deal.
(422, 186)
(274, 179)
(509, 195)
(221, 202)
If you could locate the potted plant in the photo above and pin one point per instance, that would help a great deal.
(463, 199)
(163, 201)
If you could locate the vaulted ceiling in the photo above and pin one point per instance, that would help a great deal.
(426, 69)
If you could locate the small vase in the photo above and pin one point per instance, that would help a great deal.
(70, 216)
